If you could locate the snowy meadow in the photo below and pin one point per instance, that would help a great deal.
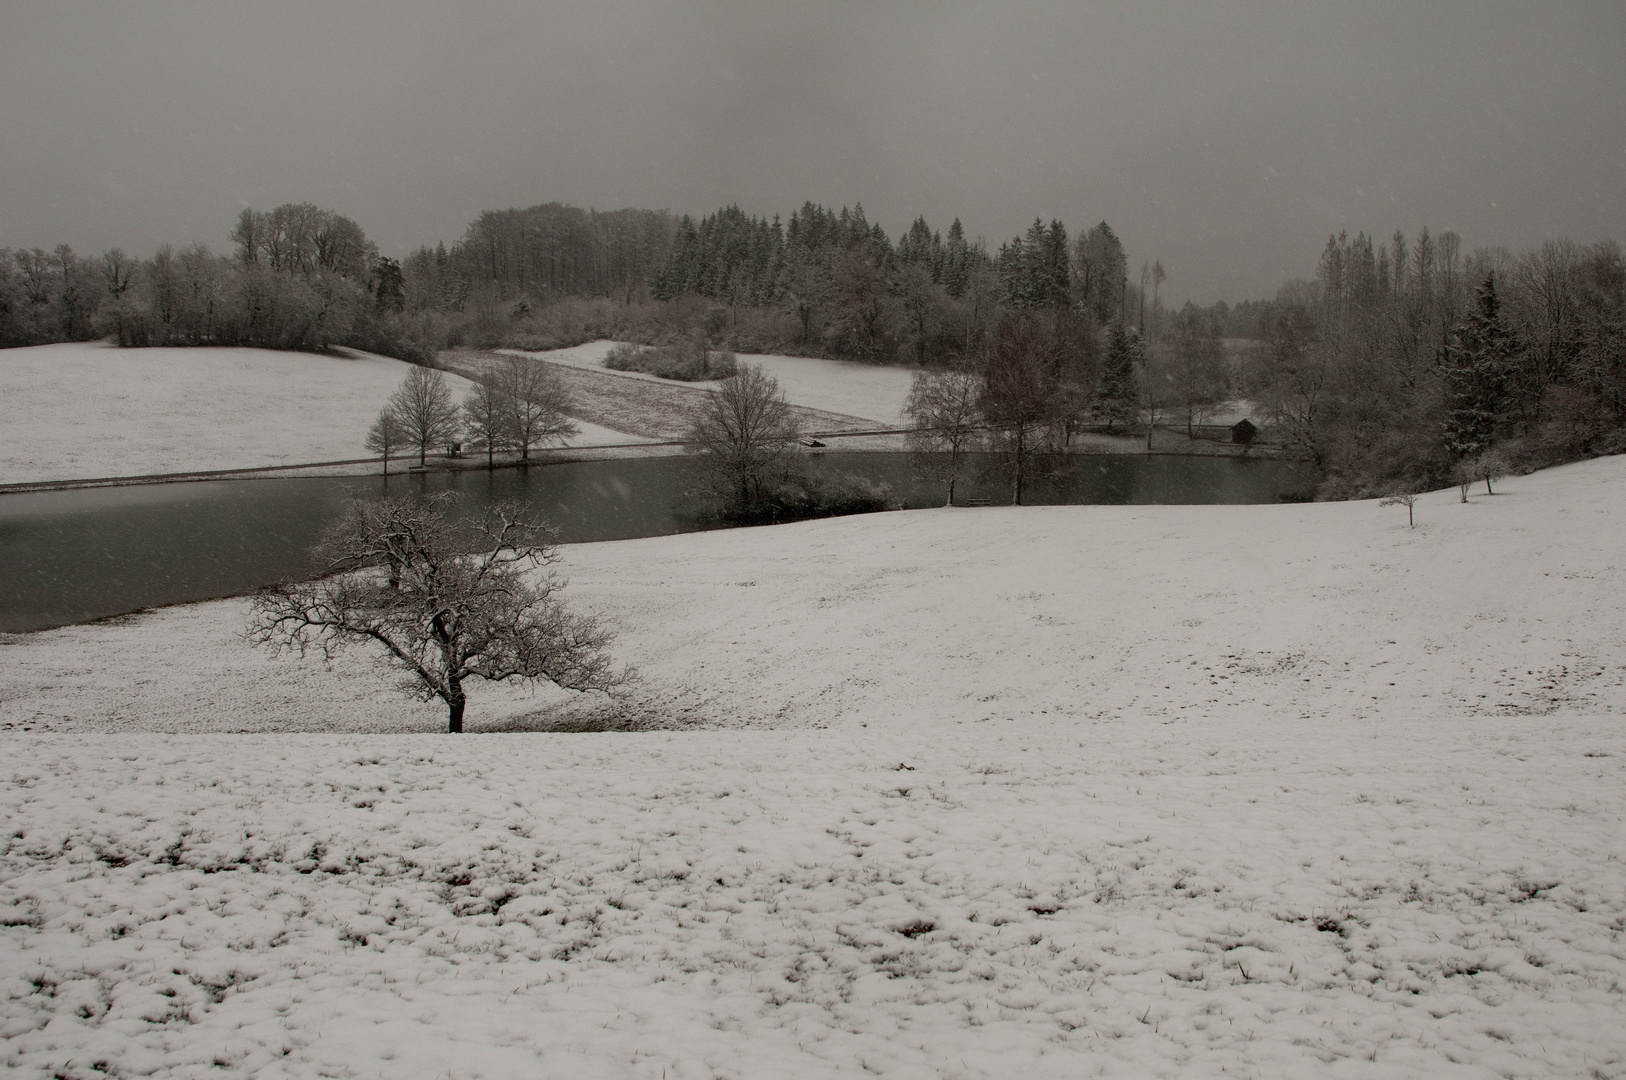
(1135, 791)
(90, 409)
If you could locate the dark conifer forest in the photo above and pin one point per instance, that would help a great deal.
(1400, 364)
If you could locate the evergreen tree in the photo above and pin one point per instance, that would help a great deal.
(956, 261)
(1475, 369)
(1117, 394)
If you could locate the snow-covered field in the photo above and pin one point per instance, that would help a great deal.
(1139, 791)
(89, 409)
(837, 386)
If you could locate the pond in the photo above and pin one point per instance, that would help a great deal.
(73, 556)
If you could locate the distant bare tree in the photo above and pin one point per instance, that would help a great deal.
(743, 432)
(249, 235)
(1402, 498)
(488, 417)
(1488, 466)
(943, 407)
(536, 400)
(445, 605)
(425, 411)
(1018, 399)
(385, 435)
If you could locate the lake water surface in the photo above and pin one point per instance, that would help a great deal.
(73, 556)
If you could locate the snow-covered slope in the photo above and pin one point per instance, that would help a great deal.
(1131, 791)
(838, 386)
(82, 410)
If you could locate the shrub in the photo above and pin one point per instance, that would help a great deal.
(685, 362)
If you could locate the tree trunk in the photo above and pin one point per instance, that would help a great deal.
(454, 708)
(1021, 450)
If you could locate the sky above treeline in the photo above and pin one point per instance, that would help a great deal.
(1225, 139)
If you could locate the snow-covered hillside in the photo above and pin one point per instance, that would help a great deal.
(83, 410)
(872, 391)
(1132, 791)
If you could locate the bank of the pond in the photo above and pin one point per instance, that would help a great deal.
(78, 555)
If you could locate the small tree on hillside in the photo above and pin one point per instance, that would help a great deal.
(1488, 466)
(385, 435)
(947, 424)
(1402, 498)
(743, 431)
(444, 604)
(425, 411)
(536, 400)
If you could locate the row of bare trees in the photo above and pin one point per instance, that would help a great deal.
(513, 406)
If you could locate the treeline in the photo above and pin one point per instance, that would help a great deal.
(827, 282)
(822, 282)
(301, 278)
(1358, 370)
(1402, 362)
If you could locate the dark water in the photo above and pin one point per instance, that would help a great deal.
(72, 556)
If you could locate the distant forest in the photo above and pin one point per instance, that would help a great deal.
(1397, 365)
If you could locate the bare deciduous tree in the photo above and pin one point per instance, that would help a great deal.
(403, 577)
(1018, 399)
(487, 417)
(424, 410)
(536, 401)
(743, 431)
(1402, 498)
(385, 435)
(943, 406)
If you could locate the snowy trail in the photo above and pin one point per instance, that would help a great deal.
(1274, 899)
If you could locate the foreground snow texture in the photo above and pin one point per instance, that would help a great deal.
(1104, 790)
(1124, 899)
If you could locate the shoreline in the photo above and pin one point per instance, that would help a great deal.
(880, 440)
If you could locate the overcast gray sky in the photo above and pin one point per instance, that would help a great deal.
(1225, 139)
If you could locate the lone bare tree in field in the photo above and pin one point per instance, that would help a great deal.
(445, 604)
(425, 411)
(1406, 499)
(535, 400)
(943, 406)
(743, 431)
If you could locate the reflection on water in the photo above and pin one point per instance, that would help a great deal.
(71, 556)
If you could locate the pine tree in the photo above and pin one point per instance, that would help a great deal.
(1117, 394)
(1475, 370)
(956, 261)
